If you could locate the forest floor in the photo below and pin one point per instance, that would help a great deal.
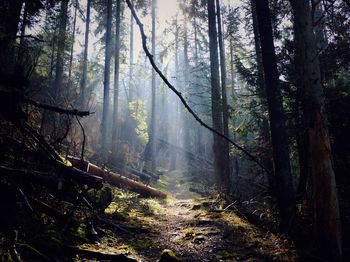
(192, 227)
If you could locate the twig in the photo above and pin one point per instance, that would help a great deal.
(179, 95)
(59, 110)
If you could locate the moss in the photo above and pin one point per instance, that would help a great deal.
(169, 255)
(236, 221)
(225, 254)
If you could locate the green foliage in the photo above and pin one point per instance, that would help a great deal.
(139, 114)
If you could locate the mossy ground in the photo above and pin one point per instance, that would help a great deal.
(187, 223)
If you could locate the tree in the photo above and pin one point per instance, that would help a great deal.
(226, 148)
(284, 185)
(116, 78)
(153, 105)
(261, 91)
(10, 11)
(61, 46)
(326, 207)
(85, 55)
(131, 58)
(216, 103)
(72, 44)
(106, 83)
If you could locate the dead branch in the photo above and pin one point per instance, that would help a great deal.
(31, 36)
(59, 110)
(179, 95)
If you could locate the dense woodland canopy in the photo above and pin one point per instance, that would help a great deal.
(245, 103)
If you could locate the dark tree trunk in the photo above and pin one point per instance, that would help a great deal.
(284, 184)
(265, 141)
(226, 149)
(10, 11)
(85, 59)
(186, 85)
(131, 58)
(221, 176)
(326, 207)
(21, 49)
(116, 79)
(234, 100)
(106, 84)
(61, 46)
(72, 45)
(153, 106)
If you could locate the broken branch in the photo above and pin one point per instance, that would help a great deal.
(59, 110)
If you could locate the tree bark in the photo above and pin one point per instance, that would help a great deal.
(61, 46)
(261, 90)
(326, 207)
(116, 79)
(234, 100)
(10, 11)
(153, 105)
(131, 58)
(85, 59)
(72, 45)
(186, 85)
(24, 22)
(284, 184)
(226, 149)
(106, 84)
(221, 176)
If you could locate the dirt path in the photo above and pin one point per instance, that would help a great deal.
(188, 228)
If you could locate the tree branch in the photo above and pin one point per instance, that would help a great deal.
(59, 110)
(31, 36)
(179, 95)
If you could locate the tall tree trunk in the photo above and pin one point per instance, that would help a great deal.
(200, 149)
(85, 59)
(21, 49)
(10, 11)
(72, 45)
(261, 90)
(221, 177)
(234, 100)
(226, 149)
(106, 84)
(153, 105)
(61, 46)
(177, 104)
(284, 184)
(131, 57)
(186, 67)
(326, 207)
(116, 79)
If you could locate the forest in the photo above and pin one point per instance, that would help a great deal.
(174, 130)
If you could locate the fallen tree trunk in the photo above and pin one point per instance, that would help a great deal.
(126, 183)
(116, 179)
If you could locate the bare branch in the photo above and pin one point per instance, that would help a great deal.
(31, 36)
(59, 110)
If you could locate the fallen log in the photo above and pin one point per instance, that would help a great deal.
(116, 179)
(126, 183)
(131, 172)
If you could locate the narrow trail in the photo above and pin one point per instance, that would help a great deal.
(192, 228)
